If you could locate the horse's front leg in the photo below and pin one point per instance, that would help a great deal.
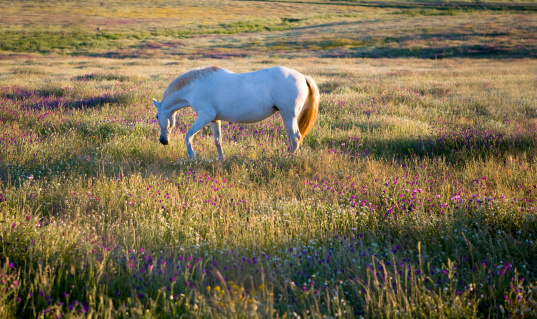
(201, 121)
(217, 133)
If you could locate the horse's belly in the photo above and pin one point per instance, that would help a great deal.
(249, 114)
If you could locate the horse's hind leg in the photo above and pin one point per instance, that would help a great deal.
(293, 133)
(200, 123)
(217, 133)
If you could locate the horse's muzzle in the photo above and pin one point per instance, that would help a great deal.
(163, 141)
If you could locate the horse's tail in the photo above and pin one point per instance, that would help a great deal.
(311, 108)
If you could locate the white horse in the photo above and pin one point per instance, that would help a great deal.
(218, 94)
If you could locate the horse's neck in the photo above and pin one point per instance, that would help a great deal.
(174, 103)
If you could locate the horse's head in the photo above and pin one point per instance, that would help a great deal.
(166, 120)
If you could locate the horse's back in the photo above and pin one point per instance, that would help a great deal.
(276, 84)
(277, 74)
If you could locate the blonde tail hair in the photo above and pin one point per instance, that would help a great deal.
(309, 111)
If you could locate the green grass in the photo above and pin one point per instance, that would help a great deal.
(197, 30)
(82, 40)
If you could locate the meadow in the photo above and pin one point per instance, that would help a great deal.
(414, 196)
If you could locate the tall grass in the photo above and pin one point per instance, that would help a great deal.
(414, 195)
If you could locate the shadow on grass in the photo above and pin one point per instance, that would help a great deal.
(89, 102)
(453, 43)
(447, 6)
(464, 51)
(54, 98)
(443, 6)
(101, 77)
(19, 94)
(455, 147)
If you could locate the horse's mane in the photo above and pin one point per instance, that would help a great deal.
(185, 78)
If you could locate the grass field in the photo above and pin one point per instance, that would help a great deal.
(413, 197)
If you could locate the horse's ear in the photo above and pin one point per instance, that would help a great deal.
(157, 104)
